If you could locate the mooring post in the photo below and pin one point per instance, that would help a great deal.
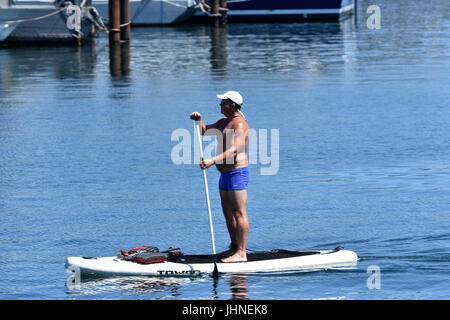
(125, 28)
(224, 17)
(215, 13)
(114, 22)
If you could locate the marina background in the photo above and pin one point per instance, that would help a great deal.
(85, 147)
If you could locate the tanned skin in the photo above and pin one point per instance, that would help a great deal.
(231, 154)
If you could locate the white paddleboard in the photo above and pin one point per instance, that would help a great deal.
(271, 261)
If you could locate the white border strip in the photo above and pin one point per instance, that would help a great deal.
(289, 11)
(347, 8)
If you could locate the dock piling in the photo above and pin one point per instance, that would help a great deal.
(218, 13)
(215, 13)
(125, 28)
(114, 22)
(224, 9)
(119, 37)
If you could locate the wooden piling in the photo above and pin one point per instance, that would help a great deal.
(125, 29)
(215, 13)
(119, 31)
(224, 17)
(114, 22)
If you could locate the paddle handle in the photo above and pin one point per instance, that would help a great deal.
(197, 128)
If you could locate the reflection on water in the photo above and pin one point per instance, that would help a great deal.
(154, 287)
(238, 286)
(35, 63)
(219, 49)
(161, 287)
(173, 51)
(119, 60)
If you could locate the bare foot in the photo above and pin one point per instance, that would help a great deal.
(237, 257)
(226, 253)
(124, 253)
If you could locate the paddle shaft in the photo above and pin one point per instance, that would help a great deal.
(197, 127)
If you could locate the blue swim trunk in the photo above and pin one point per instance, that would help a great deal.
(236, 179)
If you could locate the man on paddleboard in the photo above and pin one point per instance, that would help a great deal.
(232, 161)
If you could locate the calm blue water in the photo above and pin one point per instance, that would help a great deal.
(364, 148)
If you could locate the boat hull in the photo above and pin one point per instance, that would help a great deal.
(285, 10)
(52, 29)
(152, 12)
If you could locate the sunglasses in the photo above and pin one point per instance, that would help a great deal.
(225, 102)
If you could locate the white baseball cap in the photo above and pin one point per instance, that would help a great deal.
(233, 96)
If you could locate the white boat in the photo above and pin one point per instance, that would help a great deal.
(45, 21)
(153, 12)
(271, 261)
